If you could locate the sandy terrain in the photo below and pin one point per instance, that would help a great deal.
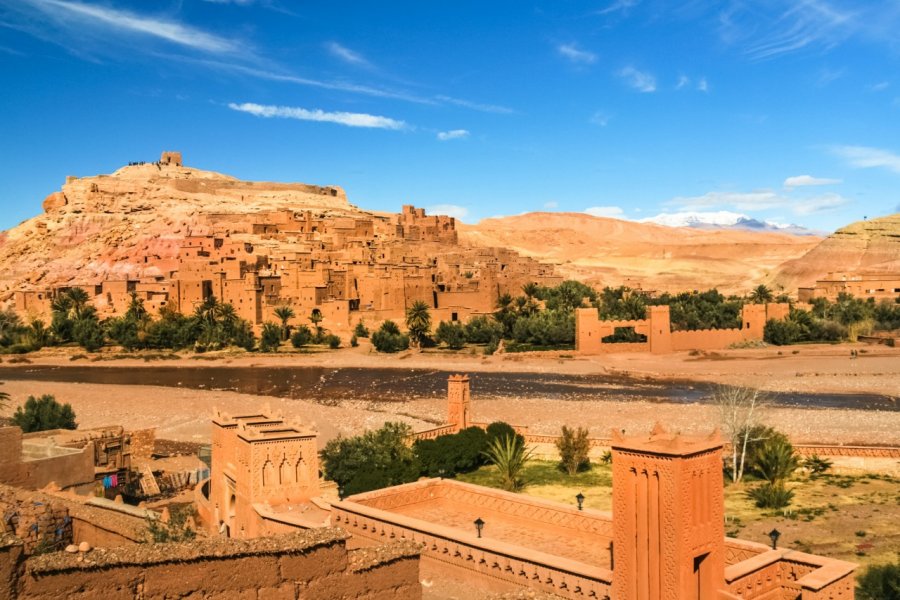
(183, 414)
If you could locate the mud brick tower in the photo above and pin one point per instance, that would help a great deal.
(668, 528)
(459, 403)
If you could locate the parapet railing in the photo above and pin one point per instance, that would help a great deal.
(490, 558)
(790, 570)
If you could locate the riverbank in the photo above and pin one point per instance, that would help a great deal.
(815, 368)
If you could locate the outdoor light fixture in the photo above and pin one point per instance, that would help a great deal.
(774, 535)
(580, 499)
(479, 525)
(340, 492)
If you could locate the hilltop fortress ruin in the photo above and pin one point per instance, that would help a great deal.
(175, 235)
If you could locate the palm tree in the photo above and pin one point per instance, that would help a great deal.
(136, 311)
(418, 322)
(315, 317)
(285, 313)
(530, 289)
(10, 326)
(78, 299)
(37, 334)
(761, 294)
(509, 455)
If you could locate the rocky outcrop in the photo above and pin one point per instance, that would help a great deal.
(871, 246)
(116, 226)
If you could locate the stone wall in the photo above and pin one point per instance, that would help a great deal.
(312, 564)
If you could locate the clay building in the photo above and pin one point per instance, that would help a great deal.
(877, 286)
(264, 477)
(664, 539)
(592, 335)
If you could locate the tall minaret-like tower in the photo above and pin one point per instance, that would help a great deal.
(668, 517)
(459, 404)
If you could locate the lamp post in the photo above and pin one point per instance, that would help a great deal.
(340, 492)
(580, 500)
(479, 525)
(774, 535)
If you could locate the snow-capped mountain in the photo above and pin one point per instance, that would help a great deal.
(723, 219)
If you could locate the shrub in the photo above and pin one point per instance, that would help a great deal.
(333, 341)
(353, 341)
(483, 330)
(360, 330)
(88, 334)
(774, 460)
(371, 461)
(448, 455)
(451, 333)
(781, 332)
(176, 530)
(499, 429)
(573, 446)
(302, 336)
(389, 339)
(270, 338)
(879, 582)
(816, 465)
(771, 495)
(492, 346)
(44, 413)
(509, 455)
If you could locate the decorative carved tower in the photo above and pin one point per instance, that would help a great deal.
(459, 404)
(668, 528)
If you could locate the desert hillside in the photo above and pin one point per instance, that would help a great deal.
(116, 226)
(613, 252)
(864, 246)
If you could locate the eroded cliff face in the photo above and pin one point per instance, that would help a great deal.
(865, 246)
(111, 226)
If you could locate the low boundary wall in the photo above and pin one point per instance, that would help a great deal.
(311, 564)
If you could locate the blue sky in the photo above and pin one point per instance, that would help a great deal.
(788, 111)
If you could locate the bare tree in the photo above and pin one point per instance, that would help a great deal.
(740, 410)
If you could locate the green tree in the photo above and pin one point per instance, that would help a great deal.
(781, 332)
(37, 335)
(418, 322)
(374, 460)
(530, 289)
(285, 313)
(270, 337)
(879, 582)
(333, 341)
(451, 333)
(316, 318)
(574, 446)
(44, 413)
(510, 456)
(388, 338)
(301, 337)
(761, 294)
(10, 327)
(774, 460)
(88, 333)
(360, 330)
(483, 330)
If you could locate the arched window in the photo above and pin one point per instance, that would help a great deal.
(284, 472)
(268, 473)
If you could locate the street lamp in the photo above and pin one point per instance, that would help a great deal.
(479, 525)
(580, 500)
(340, 492)
(774, 535)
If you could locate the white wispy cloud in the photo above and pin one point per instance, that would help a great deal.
(575, 54)
(347, 55)
(818, 204)
(613, 212)
(639, 80)
(865, 157)
(807, 180)
(618, 6)
(451, 210)
(600, 118)
(302, 114)
(453, 134)
(552, 204)
(880, 86)
(479, 106)
(124, 21)
(683, 82)
(703, 85)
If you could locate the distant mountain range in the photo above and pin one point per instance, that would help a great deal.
(724, 219)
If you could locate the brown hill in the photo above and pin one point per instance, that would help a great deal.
(606, 251)
(108, 226)
(871, 246)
